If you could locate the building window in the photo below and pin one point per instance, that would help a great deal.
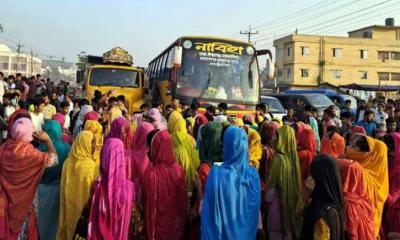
(288, 72)
(305, 73)
(279, 73)
(14, 66)
(383, 76)
(395, 76)
(395, 55)
(336, 74)
(22, 67)
(289, 51)
(383, 55)
(305, 51)
(363, 75)
(4, 66)
(279, 52)
(367, 34)
(337, 52)
(364, 54)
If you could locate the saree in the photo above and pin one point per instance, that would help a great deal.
(113, 195)
(49, 188)
(97, 130)
(359, 220)
(306, 148)
(268, 132)
(184, 147)
(392, 218)
(80, 119)
(164, 192)
(285, 185)
(140, 149)
(376, 176)
(334, 147)
(78, 174)
(21, 168)
(231, 201)
(61, 119)
(314, 126)
(255, 149)
(20, 113)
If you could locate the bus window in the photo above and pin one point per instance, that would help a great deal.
(157, 69)
(113, 77)
(163, 63)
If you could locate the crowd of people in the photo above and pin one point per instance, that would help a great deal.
(87, 169)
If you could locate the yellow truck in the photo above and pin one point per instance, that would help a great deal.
(113, 72)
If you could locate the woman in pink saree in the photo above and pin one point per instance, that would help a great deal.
(113, 195)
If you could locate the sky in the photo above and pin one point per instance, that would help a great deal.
(147, 27)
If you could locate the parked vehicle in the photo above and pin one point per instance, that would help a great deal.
(274, 106)
(298, 101)
(337, 98)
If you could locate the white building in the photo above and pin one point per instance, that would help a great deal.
(12, 63)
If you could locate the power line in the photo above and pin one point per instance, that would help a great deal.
(330, 20)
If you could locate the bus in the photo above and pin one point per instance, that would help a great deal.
(209, 69)
(113, 73)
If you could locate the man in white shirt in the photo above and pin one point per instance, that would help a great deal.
(37, 115)
(380, 115)
(65, 111)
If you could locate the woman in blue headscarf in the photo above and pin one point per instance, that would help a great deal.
(232, 195)
(49, 188)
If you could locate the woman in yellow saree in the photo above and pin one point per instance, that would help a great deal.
(372, 155)
(96, 128)
(78, 174)
(184, 147)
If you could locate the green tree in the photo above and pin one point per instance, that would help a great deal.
(1, 28)
(82, 60)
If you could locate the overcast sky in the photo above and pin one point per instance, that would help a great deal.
(145, 28)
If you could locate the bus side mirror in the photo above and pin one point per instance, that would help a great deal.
(264, 52)
(175, 57)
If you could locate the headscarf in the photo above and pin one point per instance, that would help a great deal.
(22, 130)
(278, 120)
(184, 147)
(77, 176)
(114, 113)
(255, 149)
(137, 119)
(91, 116)
(393, 201)
(376, 176)
(268, 131)
(306, 148)
(327, 199)
(231, 201)
(334, 147)
(80, 119)
(157, 118)
(59, 118)
(314, 126)
(210, 144)
(285, 175)
(52, 175)
(200, 120)
(359, 218)
(113, 195)
(140, 149)
(21, 168)
(164, 191)
(120, 128)
(96, 128)
(358, 129)
(20, 113)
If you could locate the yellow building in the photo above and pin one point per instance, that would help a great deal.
(367, 56)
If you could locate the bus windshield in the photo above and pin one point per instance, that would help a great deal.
(219, 70)
(113, 77)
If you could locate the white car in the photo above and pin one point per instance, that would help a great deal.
(274, 106)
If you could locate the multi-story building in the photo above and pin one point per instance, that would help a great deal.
(12, 62)
(368, 56)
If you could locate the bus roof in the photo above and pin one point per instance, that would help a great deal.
(123, 67)
(199, 37)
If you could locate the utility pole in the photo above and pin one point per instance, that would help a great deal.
(51, 66)
(19, 49)
(249, 33)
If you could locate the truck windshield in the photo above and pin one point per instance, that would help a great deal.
(113, 77)
(219, 70)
